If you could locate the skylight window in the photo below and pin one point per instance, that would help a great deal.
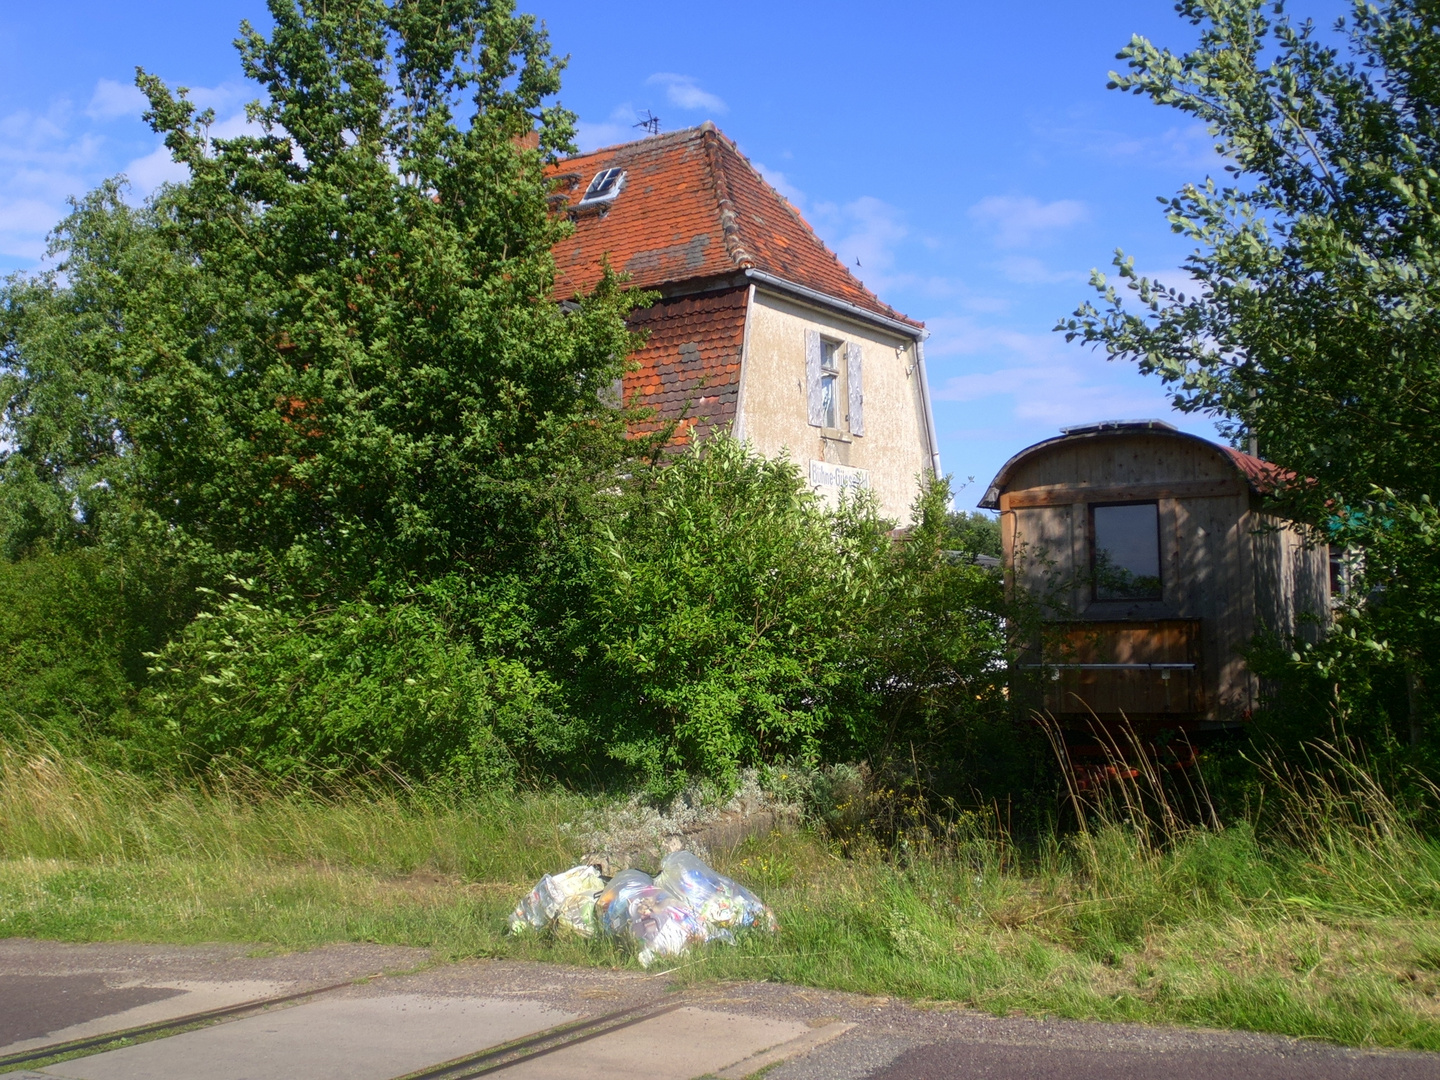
(606, 185)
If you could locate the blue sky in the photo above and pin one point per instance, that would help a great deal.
(966, 154)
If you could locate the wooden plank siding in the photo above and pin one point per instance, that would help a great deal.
(1229, 569)
(1096, 667)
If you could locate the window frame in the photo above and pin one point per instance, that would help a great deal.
(833, 350)
(607, 194)
(1094, 549)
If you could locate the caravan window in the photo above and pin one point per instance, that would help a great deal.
(1125, 551)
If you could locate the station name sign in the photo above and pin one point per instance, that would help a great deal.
(829, 478)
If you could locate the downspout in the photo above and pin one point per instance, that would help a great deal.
(737, 429)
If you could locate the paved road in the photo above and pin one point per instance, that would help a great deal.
(389, 1012)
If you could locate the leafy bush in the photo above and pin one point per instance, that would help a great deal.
(62, 644)
(75, 629)
(701, 616)
(331, 363)
(726, 603)
(365, 687)
(738, 620)
(974, 532)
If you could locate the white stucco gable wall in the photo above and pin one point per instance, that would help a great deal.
(775, 408)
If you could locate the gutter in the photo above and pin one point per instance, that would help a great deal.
(904, 329)
(917, 334)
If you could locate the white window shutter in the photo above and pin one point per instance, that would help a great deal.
(857, 388)
(812, 377)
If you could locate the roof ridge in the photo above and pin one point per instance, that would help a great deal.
(790, 209)
(678, 135)
(729, 216)
(1259, 475)
(696, 207)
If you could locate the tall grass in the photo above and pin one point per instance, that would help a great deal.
(1319, 917)
(1324, 835)
(55, 806)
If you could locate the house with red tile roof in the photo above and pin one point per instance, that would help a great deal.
(759, 329)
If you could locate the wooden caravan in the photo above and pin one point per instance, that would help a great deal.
(1155, 561)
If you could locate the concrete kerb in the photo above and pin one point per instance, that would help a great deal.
(786, 1051)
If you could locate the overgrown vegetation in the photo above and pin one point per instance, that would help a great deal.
(334, 591)
(309, 472)
(1318, 918)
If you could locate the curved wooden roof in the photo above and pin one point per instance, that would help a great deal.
(1262, 476)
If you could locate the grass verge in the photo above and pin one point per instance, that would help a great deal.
(1332, 932)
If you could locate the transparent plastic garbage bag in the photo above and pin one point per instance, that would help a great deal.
(636, 909)
(721, 904)
(562, 901)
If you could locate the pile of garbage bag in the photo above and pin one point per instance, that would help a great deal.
(686, 904)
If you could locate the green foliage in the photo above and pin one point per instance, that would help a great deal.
(330, 369)
(361, 689)
(974, 532)
(740, 621)
(75, 629)
(334, 349)
(1311, 324)
(727, 601)
(936, 643)
(62, 641)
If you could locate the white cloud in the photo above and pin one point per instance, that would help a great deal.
(112, 100)
(1046, 381)
(618, 127)
(233, 126)
(987, 305)
(35, 143)
(1184, 146)
(865, 233)
(1027, 270)
(781, 183)
(155, 168)
(590, 136)
(42, 160)
(222, 98)
(1019, 221)
(683, 91)
(24, 224)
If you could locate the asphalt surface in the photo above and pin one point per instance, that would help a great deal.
(941, 1061)
(397, 1010)
(34, 1005)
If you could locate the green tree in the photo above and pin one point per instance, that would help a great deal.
(333, 352)
(1312, 321)
(973, 532)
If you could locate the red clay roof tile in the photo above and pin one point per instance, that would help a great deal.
(693, 207)
(1264, 477)
(690, 365)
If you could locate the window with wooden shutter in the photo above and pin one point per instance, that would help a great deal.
(812, 378)
(857, 388)
(830, 405)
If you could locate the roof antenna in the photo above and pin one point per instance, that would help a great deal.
(650, 122)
